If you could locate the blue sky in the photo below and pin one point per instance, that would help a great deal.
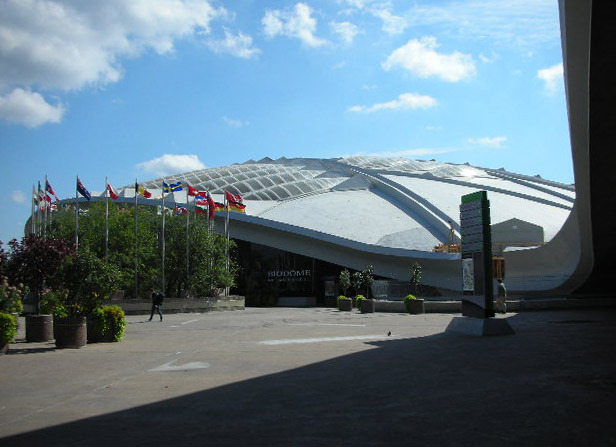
(129, 90)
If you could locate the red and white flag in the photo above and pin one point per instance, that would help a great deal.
(112, 192)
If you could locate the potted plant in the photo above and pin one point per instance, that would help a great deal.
(344, 303)
(8, 331)
(106, 324)
(88, 281)
(35, 261)
(413, 305)
(51, 304)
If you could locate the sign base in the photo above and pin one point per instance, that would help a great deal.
(480, 327)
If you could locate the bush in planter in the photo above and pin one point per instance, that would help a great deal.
(8, 330)
(106, 324)
(358, 300)
(344, 303)
(413, 305)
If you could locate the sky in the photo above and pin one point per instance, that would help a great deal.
(141, 89)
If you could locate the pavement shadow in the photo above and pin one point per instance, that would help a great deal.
(550, 384)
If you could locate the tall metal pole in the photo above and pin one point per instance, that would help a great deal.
(162, 287)
(136, 244)
(106, 221)
(76, 215)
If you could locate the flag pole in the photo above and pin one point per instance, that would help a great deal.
(227, 241)
(76, 216)
(136, 243)
(33, 210)
(106, 221)
(162, 288)
(187, 235)
(45, 212)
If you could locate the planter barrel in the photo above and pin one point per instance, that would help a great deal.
(39, 328)
(345, 305)
(367, 307)
(71, 332)
(417, 306)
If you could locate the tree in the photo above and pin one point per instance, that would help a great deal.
(35, 261)
(367, 278)
(356, 280)
(415, 278)
(345, 281)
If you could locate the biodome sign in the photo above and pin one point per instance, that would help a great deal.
(289, 275)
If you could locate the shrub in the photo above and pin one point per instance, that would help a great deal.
(358, 300)
(51, 303)
(407, 302)
(340, 297)
(109, 319)
(10, 296)
(8, 328)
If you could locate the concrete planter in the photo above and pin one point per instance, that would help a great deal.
(71, 332)
(416, 307)
(345, 304)
(39, 328)
(367, 307)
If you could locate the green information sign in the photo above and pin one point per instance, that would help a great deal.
(476, 251)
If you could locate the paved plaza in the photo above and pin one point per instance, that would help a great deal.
(318, 377)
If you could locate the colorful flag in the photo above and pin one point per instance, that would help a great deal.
(172, 187)
(49, 189)
(142, 192)
(112, 192)
(191, 191)
(179, 209)
(234, 202)
(82, 190)
(211, 206)
(219, 206)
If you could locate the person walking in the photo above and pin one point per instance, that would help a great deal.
(501, 297)
(157, 302)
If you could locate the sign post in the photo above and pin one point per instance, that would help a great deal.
(477, 289)
(476, 256)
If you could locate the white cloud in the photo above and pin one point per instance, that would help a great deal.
(405, 101)
(29, 109)
(346, 30)
(18, 196)
(552, 76)
(171, 164)
(488, 141)
(239, 45)
(392, 24)
(294, 23)
(234, 122)
(50, 45)
(420, 58)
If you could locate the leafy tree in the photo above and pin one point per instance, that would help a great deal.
(35, 262)
(4, 260)
(415, 278)
(88, 281)
(356, 281)
(367, 278)
(345, 281)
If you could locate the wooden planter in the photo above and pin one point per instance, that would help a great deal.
(71, 332)
(367, 307)
(345, 304)
(39, 328)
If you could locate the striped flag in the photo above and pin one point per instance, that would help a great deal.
(142, 191)
(82, 190)
(112, 192)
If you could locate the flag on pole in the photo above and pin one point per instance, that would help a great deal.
(179, 209)
(49, 189)
(201, 206)
(234, 202)
(42, 198)
(211, 206)
(167, 188)
(82, 190)
(142, 192)
(112, 192)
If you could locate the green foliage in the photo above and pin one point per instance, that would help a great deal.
(35, 261)
(367, 278)
(10, 296)
(8, 328)
(407, 301)
(356, 281)
(202, 271)
(358, 300)
(340, 297)
(345, 281)
(52, 303)
(88, 281)
(109, 319)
